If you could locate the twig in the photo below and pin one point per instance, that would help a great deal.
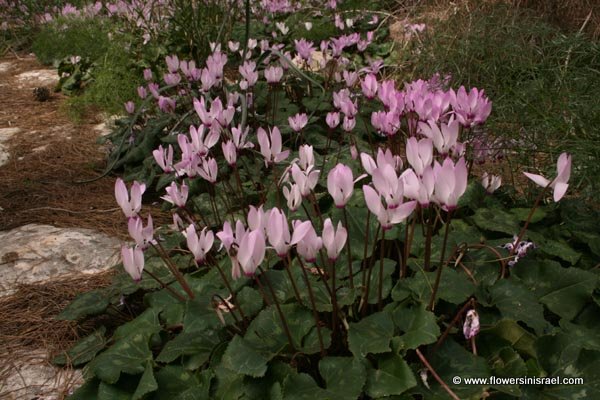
(435, 375)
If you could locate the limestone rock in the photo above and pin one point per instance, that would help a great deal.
(34, 253)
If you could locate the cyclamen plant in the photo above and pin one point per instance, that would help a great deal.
(423, 187)
(317, 247)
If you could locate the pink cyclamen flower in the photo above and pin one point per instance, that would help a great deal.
(310, 244)
(270, 146)
(229, 152)
(251, 252)
(143, 236)
(172, 63)
(450, 182)
(239, 138)
(293, 195)
(133, 261)
(176, 195)
(298, 121)
(419, 153)
(419, 188)
(444, 137)
(349, 123)
(142, 93)
(154, 90)
(334, 239)
(164, 160)
(471, 325)
(273, 74)
(130, 107)
(350, 78)
(199, 245)
(249, 73)
(172, 79)
(369, 86)
(490, 182)
(131, 207)
(340, 184)
(304, 49)
(306, 180)
(386, 216)
(472, 108)
(332, 119)
(166, 104)
(307, 158)
(560, 183)
(278, 232)
(148, 74)
(208, 169)
(383, 158)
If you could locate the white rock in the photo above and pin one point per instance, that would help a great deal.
(5, 66)
(32, 377)
(39, 77)
(34, 253)
(106, 127)
(5, 135)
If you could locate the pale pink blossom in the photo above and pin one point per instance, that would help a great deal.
(419, 154)
(200, 244)
(490, 182)
(369, 86)
(298, 122)
(133, 261)
(450, 182)
(273, 74)
(340, 184)
(270, 146)
(229, 152)
(333, 239)
(130, 206)
(143, 236)
(560, 183)
(471, 325)
(309, 246)
(176, 195)
(251, 252)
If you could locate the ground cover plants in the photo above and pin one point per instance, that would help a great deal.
(334, 234)
(544, 80)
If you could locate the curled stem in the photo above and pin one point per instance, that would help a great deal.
(469, 304)
(228, 286)
(436, 376)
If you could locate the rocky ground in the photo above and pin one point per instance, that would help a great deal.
(54, 230)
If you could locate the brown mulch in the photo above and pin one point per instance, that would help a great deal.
(41, 183)
(40, 186)
(28, 324)
(50, 156)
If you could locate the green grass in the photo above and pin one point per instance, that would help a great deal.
(114, 76)
(544, 83)
(64, 37)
